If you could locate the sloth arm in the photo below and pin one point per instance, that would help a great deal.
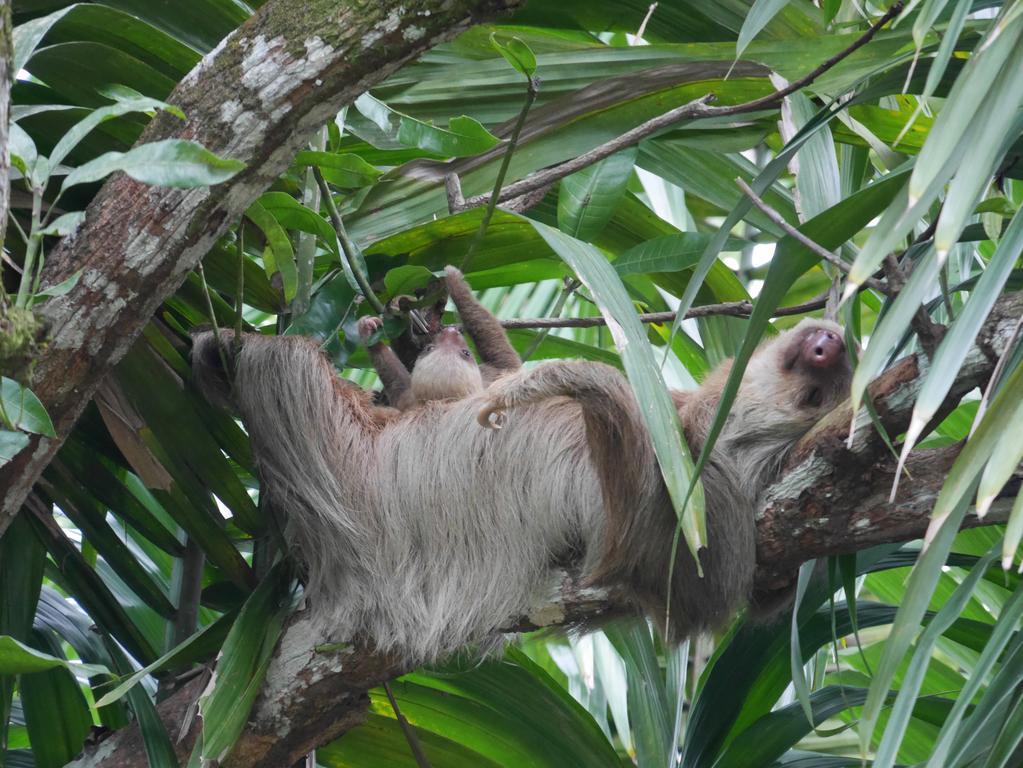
(496, 352)
(393, 374)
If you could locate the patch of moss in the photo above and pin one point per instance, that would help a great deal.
(21, 341)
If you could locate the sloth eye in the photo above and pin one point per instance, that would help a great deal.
(466, 354)
(428, 348)
(815, 397)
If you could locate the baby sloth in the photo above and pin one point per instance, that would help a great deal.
(445, 369)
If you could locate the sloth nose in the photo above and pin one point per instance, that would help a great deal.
(822, 349)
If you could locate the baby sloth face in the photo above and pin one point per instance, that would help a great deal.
(446, 369)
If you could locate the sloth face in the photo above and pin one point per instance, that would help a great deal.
(446, 369)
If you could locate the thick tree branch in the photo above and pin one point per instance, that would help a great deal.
(257, 98)
(830, 499)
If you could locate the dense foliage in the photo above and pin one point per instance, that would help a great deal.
(144, 551)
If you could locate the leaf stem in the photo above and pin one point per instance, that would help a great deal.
(532, 89)
(349, 249)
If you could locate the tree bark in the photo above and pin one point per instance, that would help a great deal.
(831, 499)
(258, 97)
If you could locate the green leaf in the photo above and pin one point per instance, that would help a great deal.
(959, 338)
(64, 225)
(406, 279)
(464, 136)
(756, 19)
(670, 253)
(210, 636)
(23, 410)
(23, 150)
(913, 679)
(79, 131)
(167, 163)
(26, 37)
(242, 664)
(644, 375)
(516, 53)
(19, 659)
(57, 716)
(61, 288)
(11, 444)
(587, 198)
(279, 255)
(346, 170)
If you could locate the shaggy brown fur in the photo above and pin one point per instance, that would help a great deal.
(424, 532)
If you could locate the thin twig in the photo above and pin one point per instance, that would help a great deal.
(406, 727)
(236, 342)
(349, 248)
(795, 234)
(571, 286)
(213, 319)
(532, 89)
(698, 108)
(729, 308)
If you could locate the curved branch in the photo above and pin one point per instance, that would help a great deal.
(257, 98)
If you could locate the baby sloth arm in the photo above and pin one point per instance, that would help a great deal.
(496, 352)
(392, 372)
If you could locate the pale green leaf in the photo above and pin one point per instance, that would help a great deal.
(166, 163)
(23, 410)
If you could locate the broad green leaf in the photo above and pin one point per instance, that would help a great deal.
(242, 664)
(27, 36)
(56, 714)
(11, 444)
(167, 163)
(770, 737)
(23, 150)
(22, 409)
(998, 130)
(279, 255)
(209, 636)
(60, 289)
(406, 279)
(291, 214)
(587, 198)
(64, 225)
(756, 19)
(649, 712)
(660, 415)
(516, 53)
(670, 253)
(19, 659)
(345, 170)
(464, 137)
(73, 137)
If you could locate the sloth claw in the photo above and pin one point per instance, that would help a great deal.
(491, 416)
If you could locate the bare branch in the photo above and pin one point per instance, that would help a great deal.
(798, 236)
(699, 108)
(728, 308)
